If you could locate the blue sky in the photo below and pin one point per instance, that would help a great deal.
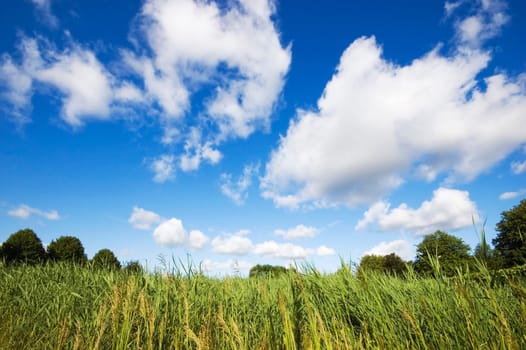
(245, 132)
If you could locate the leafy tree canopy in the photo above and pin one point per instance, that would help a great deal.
(67, 248)
(266, 270)
(510, 243)
(23, 246)
(133, 267)
(390, 264)
(105, 259)
(442, 251)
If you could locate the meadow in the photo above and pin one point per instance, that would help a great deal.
(67, 306)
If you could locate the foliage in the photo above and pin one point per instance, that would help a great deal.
(23, 246)
(105, 259)
(510, 243)
(66, 248)
(441, 252)
(67, 306)
(133, 267)
(267, 270)
(388, 264)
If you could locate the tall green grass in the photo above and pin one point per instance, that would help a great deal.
(72, 307)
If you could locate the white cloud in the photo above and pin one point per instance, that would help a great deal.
(449, 209)
(234, 244)
(400, 247)
(518, 167)
(164, 168)
(325, 251)
(237, 190)
(196, 152)
(197, 239)
(44, 9)
(289, 250)
(300, 231)
(85, 84)
(234, 50)
(376, 122)
(282, 250)
(511, 195)
(486, 22)
(170, 233)
(16, 89)
(142, 219)
(24, 211)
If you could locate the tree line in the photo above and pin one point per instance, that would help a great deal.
(438, 251)
(448, 254)
(25, 247)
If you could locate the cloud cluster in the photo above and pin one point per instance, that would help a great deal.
(239, 244)
(449, 209)
(168, 232)
(25, 211)
(378, 123)
(229, 56)
(236, 48)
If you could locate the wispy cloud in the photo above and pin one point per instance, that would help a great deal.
(298, 232)
(518, 167)
(25, 211)
(512, 194)
(237, 189)
(163, 168)
(43, 8)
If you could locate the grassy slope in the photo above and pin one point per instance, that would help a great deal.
(65, 307)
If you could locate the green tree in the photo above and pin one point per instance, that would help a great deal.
(371, 263)
(390, 264)
(443, 252)
(510, 243)
(105, 259)
(133, 267)
(67, 248)
(266, 270)
(23, 246)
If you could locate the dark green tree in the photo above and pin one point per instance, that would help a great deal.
(105, 259)
(441, 252)
(23, 246)
(67, 248)
(371, 263)
(133, 267)
(266, 270)
(510, 243)
(389, 264)
(393, 264)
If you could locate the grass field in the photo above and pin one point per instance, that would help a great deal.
(73, 307)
